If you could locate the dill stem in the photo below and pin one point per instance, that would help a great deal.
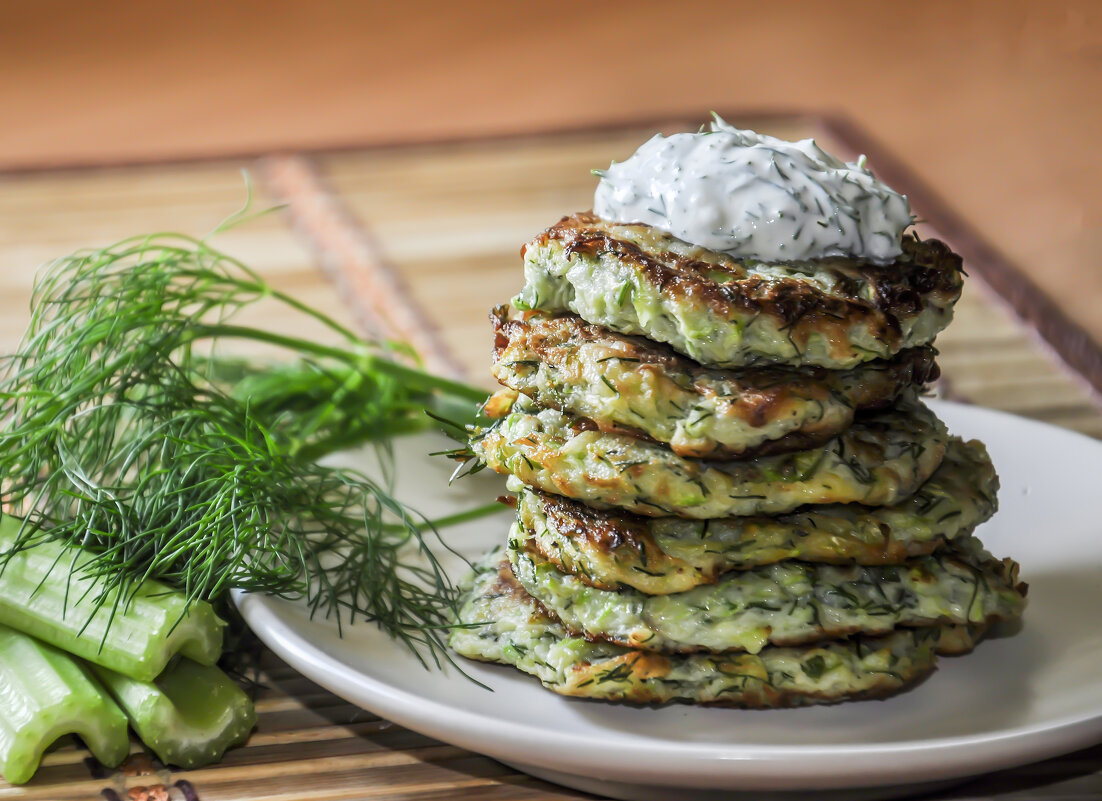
(455, 519)
(412, 377)
(419, 379)
(341, 441)
(225, 331)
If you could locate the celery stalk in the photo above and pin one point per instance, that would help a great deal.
(45, 694)
(188, 716)
(44, 593)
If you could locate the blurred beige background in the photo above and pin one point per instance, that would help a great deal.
(996, 104)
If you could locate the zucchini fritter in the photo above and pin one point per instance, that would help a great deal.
(662, 555)
(624, 382)
(512, 629)
(723, 312)
(881, 459)
(787, 603)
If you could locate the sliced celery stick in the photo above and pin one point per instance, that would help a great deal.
(45, 694)
(189, 715)
(43, 593)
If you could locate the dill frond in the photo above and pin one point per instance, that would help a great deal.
(123, 431)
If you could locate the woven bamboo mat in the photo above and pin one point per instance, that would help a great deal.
(419, 242)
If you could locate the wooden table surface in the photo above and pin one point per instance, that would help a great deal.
(420, 241)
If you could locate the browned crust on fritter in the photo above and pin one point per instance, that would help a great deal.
(835, 634)
(764, 388)
(926, 269)
(1009, 573)
(507, 586)
(608, 532)
(886, 690)
(649, 664)
(960, 640)
(642, 663)
(913, 366)
(626, 532)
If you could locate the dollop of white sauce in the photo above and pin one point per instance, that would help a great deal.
(755, 196)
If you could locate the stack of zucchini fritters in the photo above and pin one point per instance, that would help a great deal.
(727, 490)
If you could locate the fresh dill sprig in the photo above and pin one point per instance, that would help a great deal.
(123, 431)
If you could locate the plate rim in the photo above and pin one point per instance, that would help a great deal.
(695, 765)
(685, 764)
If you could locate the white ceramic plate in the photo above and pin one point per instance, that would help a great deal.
(1014, 700)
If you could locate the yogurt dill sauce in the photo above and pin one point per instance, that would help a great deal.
(755, 196)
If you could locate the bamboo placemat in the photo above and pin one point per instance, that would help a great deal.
(420, 242)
